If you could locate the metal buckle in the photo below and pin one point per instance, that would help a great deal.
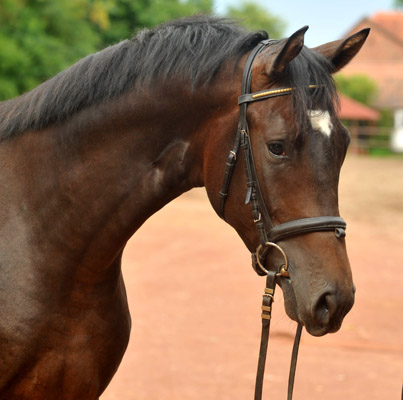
(284, 268)
(258, 219)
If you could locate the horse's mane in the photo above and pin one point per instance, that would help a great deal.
(193, 49)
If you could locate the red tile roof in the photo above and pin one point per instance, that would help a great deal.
(381, 57)
(392, 22)
(353, 110)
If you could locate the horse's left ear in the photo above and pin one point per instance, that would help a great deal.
(341, 52)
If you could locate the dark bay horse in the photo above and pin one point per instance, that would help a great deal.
(88, 156)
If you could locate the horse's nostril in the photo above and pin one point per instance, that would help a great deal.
(325, 307)
(328, 311)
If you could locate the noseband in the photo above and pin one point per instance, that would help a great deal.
(268, 233)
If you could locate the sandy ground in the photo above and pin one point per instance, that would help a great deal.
(195, 305)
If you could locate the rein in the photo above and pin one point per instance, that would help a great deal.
(268, 233)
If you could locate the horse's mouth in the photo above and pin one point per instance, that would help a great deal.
(324, 321)
(317, 330)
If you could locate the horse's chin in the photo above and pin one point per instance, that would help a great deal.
(321, 330)
(291, 309)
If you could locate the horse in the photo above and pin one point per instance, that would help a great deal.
(89, 155)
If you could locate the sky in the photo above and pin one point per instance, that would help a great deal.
(327, 19)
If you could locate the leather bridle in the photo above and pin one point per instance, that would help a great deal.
(268, 233)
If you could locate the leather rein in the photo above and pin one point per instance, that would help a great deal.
(267, 232)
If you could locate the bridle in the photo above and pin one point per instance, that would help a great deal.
(268, 233)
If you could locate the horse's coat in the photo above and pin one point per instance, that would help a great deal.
(87, 157)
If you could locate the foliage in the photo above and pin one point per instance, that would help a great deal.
(128, 16)
(39, 38)
(358, 87)
(398, 3)
(386, 119)
(255, 17)
(364, 90)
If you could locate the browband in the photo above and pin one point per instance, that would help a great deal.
(267, 94)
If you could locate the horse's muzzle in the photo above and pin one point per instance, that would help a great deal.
(327, 312)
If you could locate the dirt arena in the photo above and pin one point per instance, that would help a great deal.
(195, 305)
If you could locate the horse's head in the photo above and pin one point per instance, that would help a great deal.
(298, 145)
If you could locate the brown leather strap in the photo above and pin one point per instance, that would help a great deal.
(229, 169)
(293, 366)
(232, 157)
(267, 302)
(306, 225)
(264, 341)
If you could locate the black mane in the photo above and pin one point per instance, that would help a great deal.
(193, 49)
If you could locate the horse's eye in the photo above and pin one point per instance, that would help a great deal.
(277, 149)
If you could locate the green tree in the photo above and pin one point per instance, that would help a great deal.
(398, 3)
(38, 38)
(358, 87)
(127, 16)
(255, 17)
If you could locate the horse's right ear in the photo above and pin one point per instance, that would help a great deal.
(287, 50)
(341, 52)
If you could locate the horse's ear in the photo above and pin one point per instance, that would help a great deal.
(289, 49)
(341, 52)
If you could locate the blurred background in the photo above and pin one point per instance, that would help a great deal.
(39, 38)
(194, 299)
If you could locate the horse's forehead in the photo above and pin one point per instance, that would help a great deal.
(321, 121)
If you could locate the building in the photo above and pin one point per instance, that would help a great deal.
(381, 58)
(361, 121)
(352, 110)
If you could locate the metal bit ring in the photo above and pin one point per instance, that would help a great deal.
(284, 268)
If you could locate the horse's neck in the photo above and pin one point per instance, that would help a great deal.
(96, 178)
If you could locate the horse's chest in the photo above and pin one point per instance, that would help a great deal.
(52, 349)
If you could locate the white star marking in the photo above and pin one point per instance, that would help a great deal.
(321, 121)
